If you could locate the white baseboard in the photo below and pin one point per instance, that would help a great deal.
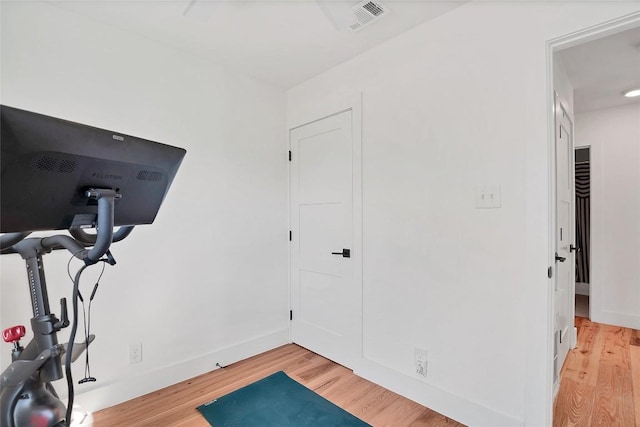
(455, 407)
(617, 319)
(582, 288)
(127, 388)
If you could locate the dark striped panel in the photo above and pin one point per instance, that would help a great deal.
(583, 220)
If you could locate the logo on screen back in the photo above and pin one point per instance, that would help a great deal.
(109, 176)
(118, 137)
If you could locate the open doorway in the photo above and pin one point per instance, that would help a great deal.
(583, 229)
(591, 71)
(598, 72)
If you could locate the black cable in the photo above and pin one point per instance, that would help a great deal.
(72, 337)
(69, 265)
(87, 322)
(87, 328)
(84, 321)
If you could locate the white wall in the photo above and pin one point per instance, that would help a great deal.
(458, 102)
(614, 137)
(207, 282)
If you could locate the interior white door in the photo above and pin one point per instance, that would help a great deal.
(325, 298)
(565, 230)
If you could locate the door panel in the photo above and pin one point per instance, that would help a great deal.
(322, 226)
(324, 162)
(316, 291)
(324, 295)
(565, 230)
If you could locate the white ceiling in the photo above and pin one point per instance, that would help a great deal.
(282, 42)
(285, 42)
(600, 70)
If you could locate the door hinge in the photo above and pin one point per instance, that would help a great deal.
(290, 314)
(290, 235)
(289, 155)
(550, 272)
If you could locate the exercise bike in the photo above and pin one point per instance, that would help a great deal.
(27, 397)
(60, 175)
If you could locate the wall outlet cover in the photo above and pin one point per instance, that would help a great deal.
(135, 353)
(420, 357)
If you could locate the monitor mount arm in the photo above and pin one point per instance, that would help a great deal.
(25, 386)
(106, 201)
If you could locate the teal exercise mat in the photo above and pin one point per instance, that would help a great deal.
(276, 401)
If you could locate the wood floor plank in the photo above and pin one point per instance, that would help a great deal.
(432, 419)
(574, 404)
(581, 364)
(613, 404)
(404, 412)
(635, 379)
(334, 381)
(369, 406)
(615, 350)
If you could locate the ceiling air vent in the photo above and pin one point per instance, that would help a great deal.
(367, 12)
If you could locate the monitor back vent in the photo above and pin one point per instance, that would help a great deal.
(149, 176)
(66, 166)
(54, 164)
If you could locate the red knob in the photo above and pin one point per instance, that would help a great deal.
(13, 333)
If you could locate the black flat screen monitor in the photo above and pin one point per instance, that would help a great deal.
(49, 163)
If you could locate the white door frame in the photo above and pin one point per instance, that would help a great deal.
(592, 33)
(319, 111)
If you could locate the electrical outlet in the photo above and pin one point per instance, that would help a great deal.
(135, 353)
(420, 357)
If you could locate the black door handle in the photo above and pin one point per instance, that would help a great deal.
(559, 258)
(573, 249)
(346, 253)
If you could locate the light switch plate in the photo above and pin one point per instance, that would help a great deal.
(487, 197)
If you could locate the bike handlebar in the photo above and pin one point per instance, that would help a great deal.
(90, 239)
(76, 244)
(10, 239)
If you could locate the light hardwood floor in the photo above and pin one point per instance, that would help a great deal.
(599, 386)
(600, 379)
(176, 405)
